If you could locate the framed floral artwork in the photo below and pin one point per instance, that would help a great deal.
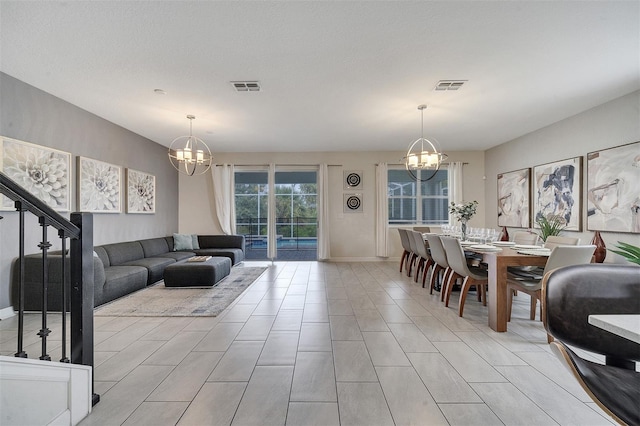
(514, 193)
(613, 196)
(141, 192)
(44, 172)
(99, 186)
(557, 191)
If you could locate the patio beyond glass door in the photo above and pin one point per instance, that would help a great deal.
(295, 221)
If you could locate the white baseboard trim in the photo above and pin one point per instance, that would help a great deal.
(358, 259)
(7, 312)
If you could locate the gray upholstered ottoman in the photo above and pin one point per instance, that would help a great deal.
(197, 274)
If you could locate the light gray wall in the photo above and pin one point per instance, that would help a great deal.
(608, 125)
(31, 115)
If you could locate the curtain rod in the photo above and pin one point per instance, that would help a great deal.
(282, 165)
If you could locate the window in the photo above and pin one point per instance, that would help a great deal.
(414, 202)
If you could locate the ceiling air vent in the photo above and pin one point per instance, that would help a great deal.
(246, 86)
(449, 85)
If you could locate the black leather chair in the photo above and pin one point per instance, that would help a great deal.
(570, 295)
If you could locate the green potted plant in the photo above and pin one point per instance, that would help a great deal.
(550, 225)
(629, 252)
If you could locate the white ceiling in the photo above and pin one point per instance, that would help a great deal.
(336, 76)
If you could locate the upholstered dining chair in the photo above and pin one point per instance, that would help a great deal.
(533, 272)
(423, 229)
(472, 276)
(572, 294)
(424, 259)
(525, 237)
(560, 256)
(406, 247)
(440, 262)
(414, 252)
(556, 240)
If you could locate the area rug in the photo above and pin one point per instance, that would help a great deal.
(161, 301)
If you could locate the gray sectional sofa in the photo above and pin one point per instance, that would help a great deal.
(119, 268)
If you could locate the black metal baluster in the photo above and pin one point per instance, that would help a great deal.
(64, 297)
(21, 353)
(44, 246)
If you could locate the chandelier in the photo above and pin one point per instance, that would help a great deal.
(190, 155)
(423, 155)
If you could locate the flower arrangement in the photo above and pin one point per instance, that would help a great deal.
(550, 225)
(463, 211)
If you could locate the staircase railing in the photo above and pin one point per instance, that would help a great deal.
(79, 230)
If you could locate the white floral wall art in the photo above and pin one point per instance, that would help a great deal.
(44, 172)
(99, 186)
(141, 192)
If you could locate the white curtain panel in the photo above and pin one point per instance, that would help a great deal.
(224, 197)
(382, 212)
(455, 185)
(324, 245)
(271, 223)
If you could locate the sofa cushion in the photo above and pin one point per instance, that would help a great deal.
(120, 253)
(155, 265)
(221, 241)
(182, 242)
(236, 255)
(195, 243)
(178, 255)
(121, 280)
(154, 246)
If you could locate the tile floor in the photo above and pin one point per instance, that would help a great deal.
(314, 343)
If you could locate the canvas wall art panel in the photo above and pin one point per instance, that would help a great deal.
(44, 172)
(613, 189)
(141, 192)
(557, 191)
(514, 192)
(99, 186)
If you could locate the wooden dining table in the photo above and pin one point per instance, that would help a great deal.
(497, 262)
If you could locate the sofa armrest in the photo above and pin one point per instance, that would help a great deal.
(221, 241)
(33, 281)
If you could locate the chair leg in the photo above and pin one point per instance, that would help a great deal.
(509, 303)
(453, 276)
(403, 259)
(445, 280)
(466, 284)
(418, 269)
(426, 270)
(532, 311)
(434, 276)
(484, 287)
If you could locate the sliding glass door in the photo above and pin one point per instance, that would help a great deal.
(295, 220)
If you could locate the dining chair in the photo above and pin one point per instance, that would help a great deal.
(406, 247)
(439, 258)
(560, 256)
(572, 294)
(424, 259)
(414, 252)
(472, 276)
(556, 240)
(423, 229)
(525, 237)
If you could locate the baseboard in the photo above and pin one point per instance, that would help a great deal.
(7, 312)
(358, 259)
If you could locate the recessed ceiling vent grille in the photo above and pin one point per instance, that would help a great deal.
(246, 86)
(449, 85)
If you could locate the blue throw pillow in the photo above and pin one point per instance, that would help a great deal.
(196, 244)
(182, 242)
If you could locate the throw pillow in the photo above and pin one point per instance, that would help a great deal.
(196, 244)
(182, 242)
